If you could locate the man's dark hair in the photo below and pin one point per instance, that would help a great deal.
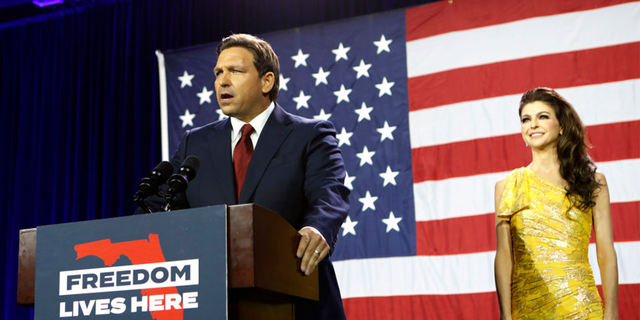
(264, 59)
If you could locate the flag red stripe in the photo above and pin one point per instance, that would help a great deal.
(460, 306)
(477, 233)
(562, 70)
(628, 302)
(456, 235)
(615, 141)
(608, 146)
(442, 17)
(625, 217)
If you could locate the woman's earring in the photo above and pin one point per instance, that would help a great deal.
(560, 132)
(526, 144)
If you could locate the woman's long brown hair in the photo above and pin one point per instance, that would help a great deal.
(576, 167)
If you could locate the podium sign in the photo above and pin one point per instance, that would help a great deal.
(167, 265)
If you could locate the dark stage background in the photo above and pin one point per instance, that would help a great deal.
(79, 101)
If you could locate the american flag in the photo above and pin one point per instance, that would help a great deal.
(424, 101)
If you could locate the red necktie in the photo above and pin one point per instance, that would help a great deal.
(242, 156)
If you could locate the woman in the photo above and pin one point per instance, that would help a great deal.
(545, 213)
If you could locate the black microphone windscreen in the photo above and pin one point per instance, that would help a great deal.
(149, 185)
(193, 164)
(164, 169)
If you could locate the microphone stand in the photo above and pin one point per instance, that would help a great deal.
(140, 202)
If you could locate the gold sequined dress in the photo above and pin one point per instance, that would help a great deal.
(552, 277)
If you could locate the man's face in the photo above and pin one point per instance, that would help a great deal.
(239, 89)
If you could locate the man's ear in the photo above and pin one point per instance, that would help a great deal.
(267, 82)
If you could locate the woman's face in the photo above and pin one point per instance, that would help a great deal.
(539, 125)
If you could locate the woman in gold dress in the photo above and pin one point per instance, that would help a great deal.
(544, 216)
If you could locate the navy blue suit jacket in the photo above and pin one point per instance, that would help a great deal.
(296, 170)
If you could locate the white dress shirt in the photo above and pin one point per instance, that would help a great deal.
(257, 123)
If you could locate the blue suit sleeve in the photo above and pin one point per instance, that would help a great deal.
(328, 197)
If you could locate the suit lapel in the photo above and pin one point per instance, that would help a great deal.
(221, 159)
(275, 131)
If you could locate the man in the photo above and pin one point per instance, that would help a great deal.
(295, 168)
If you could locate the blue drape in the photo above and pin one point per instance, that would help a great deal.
(79, 101)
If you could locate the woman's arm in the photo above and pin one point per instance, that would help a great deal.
(607, 259)
(504, 258)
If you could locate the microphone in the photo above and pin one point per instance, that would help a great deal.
(149, 185)
(179, 182)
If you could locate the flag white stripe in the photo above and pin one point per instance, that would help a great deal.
(473, 195)
(628, 261)
(622, 179)
(416, 275)
(596, 104)
(453, 274)
(525, 38)
(164, 118)
(455, 197)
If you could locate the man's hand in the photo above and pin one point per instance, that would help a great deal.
(312, 249)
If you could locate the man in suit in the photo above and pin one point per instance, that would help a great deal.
(295, 166)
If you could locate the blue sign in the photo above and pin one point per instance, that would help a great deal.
(166, 265)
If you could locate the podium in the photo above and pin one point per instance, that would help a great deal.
(263, 277)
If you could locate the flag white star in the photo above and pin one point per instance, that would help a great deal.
(342, 94)
(205, 96)
(321, 76)
(343, 137)
(283, 83)
(386, 131)
(368, 202)
(185, 79)
(349, 227)
(365, 156)
(300, 59)
(392, 222)
(389, 176)
(221, 115)
(341, 52)
(301, 100)
(383, 44)
(187, 118)
(348, 181)
(362, 69)
(363, 112)
(384, 87)
(322, 115)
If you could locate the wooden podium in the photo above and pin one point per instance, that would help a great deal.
(263, 272)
